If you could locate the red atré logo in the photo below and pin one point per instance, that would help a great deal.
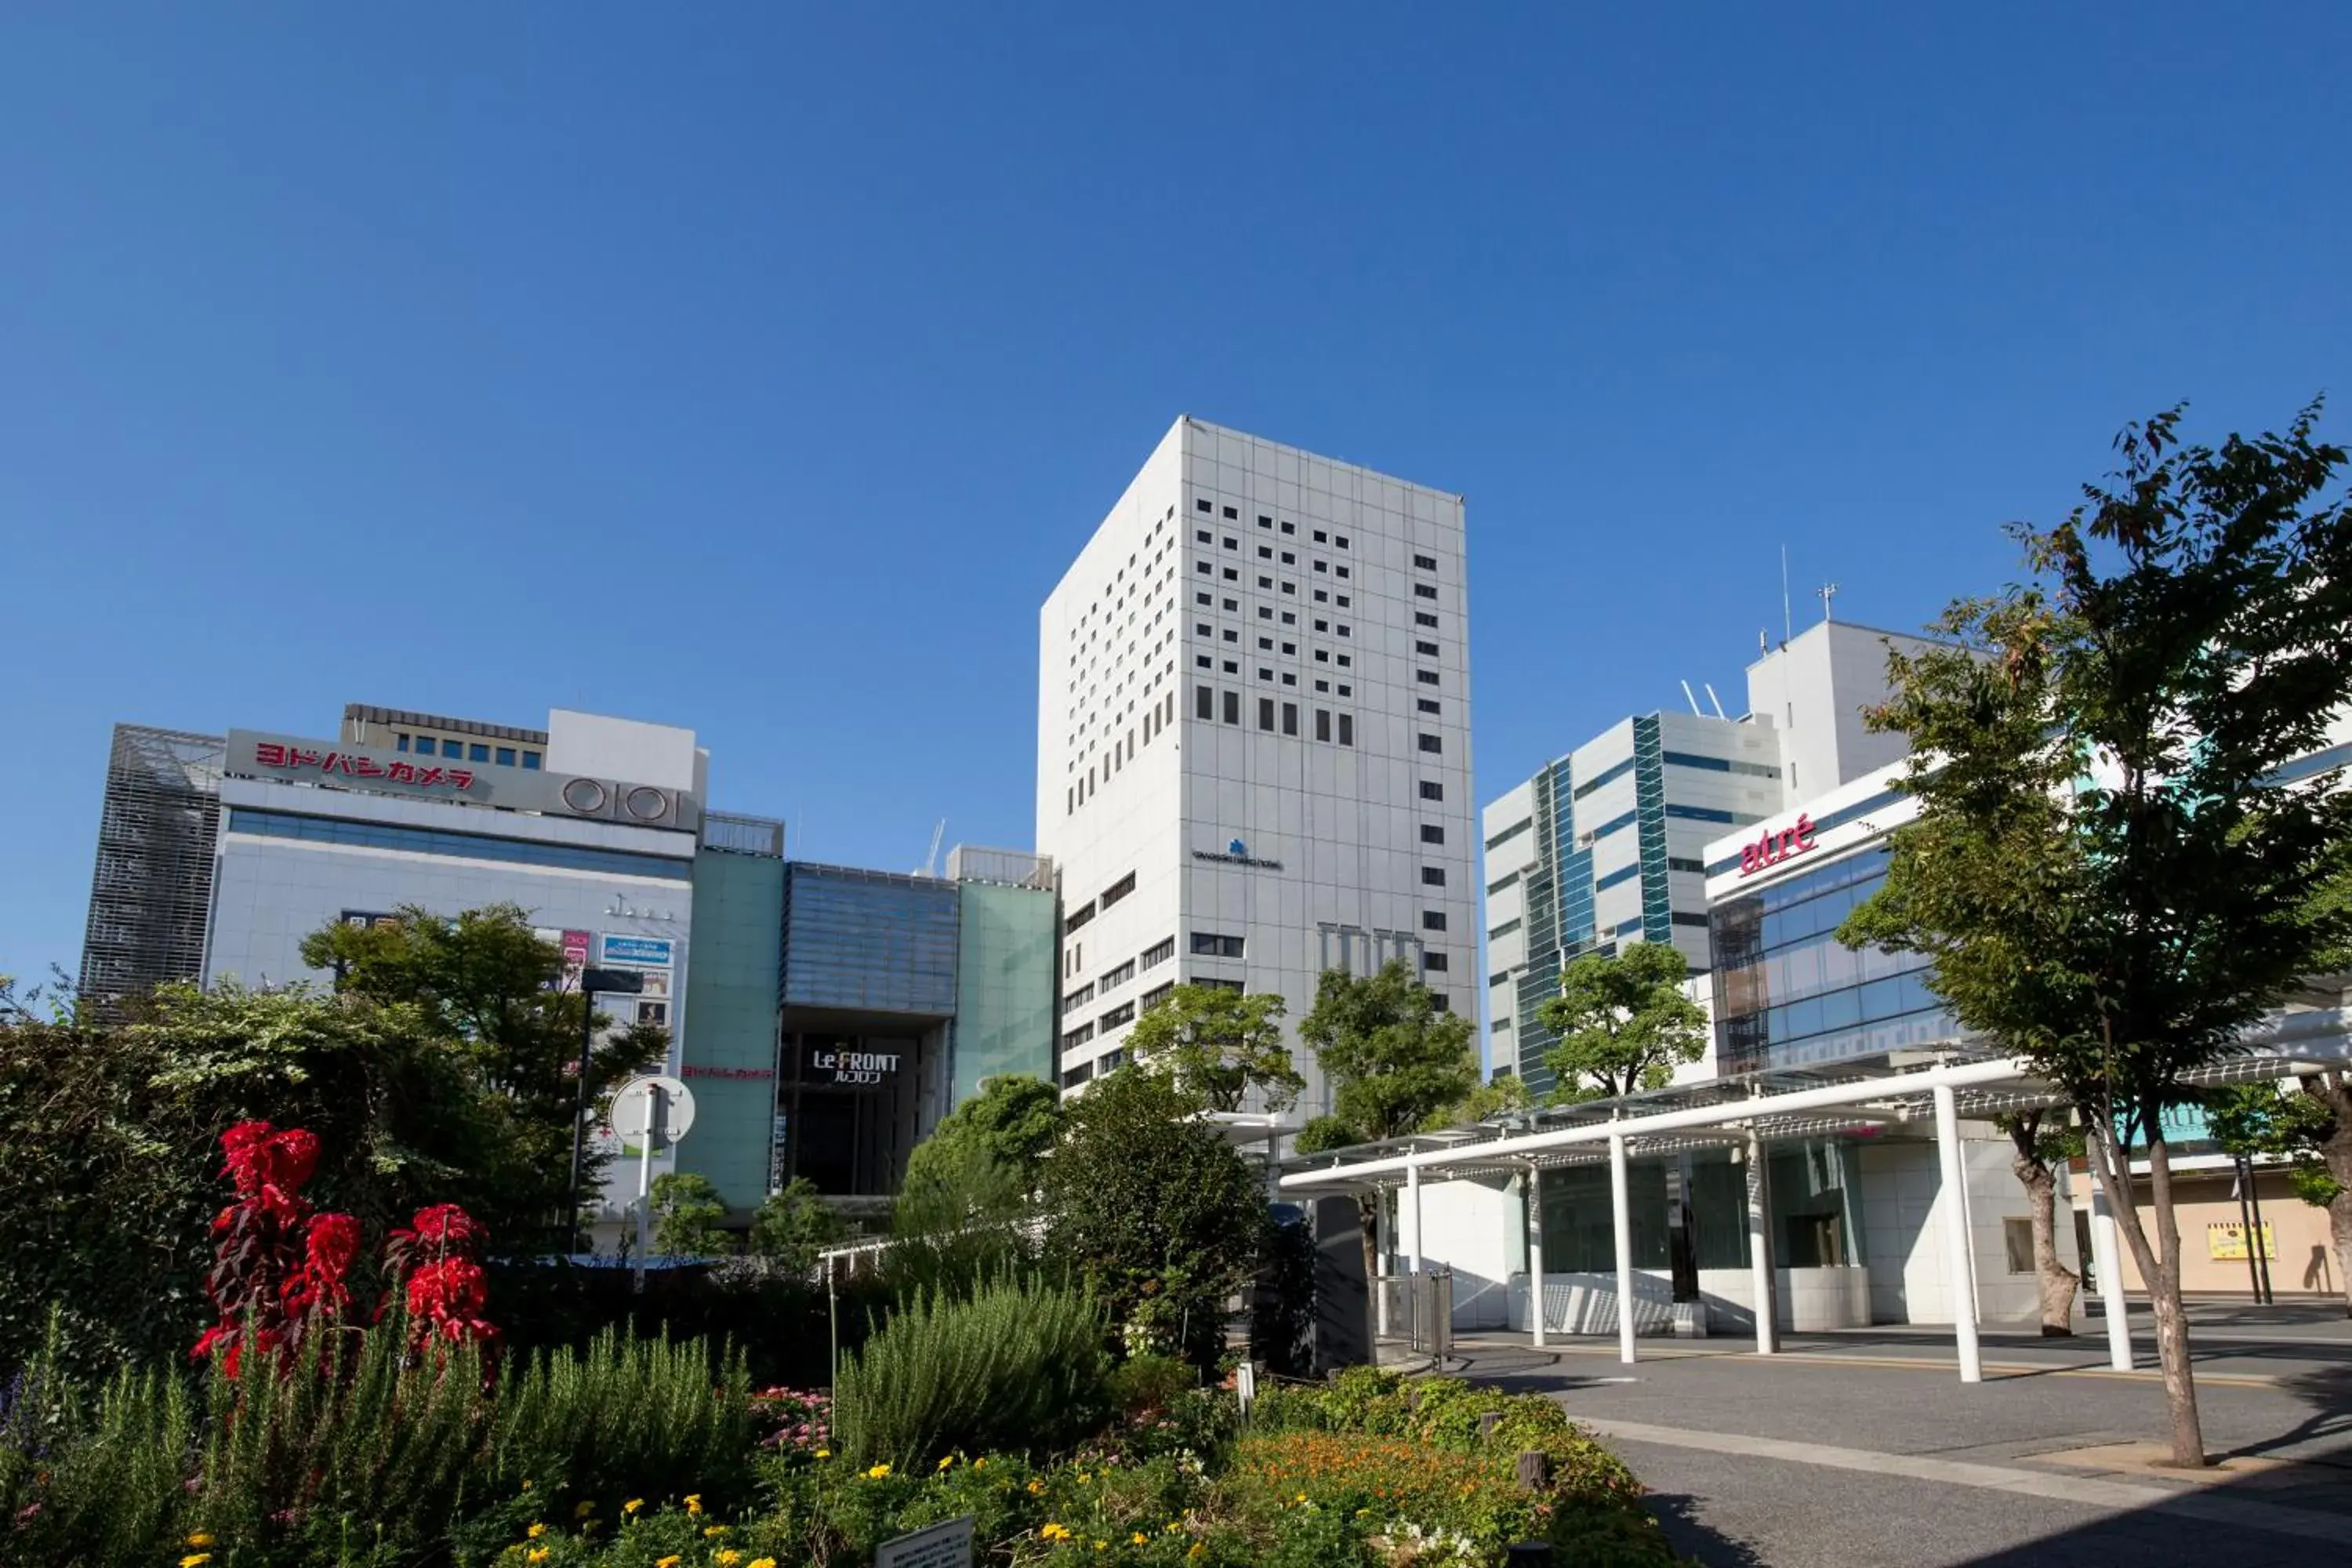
(1774, 848)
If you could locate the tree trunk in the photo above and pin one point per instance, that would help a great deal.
(2334, 1089)
(2159, 1268)
(2058, 1282)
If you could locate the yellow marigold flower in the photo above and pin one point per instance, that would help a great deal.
(728, 1559)
(525, 1485)
(714, 1531)
(763, 1563)
(947, 1462)
(196, 1560)
(672, 1560)
(633, 1504)
(536, 1555)
(200, 1538)
(694, 1502)
(980, 1463)
(584, 1509)
(1199, 1548)
(1036, 1487)
(1141, 1539)
(1052, 1531)
(1102, 1546)
(878, 1472)
(536, 1530)
(824, 1453)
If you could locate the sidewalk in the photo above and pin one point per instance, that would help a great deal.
(1864, 1448)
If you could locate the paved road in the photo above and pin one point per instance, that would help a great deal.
(1865, 1450)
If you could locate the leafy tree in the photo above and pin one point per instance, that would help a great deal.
(2040, 1142)
(689, 1216)
(114, 1159)
(1015, 1120)
(960, 1220)
(1216, 1045)
(1323, 1133)
(1395, 1063)
(792, 1227)
(1393, 1060)
(2108, 869)
(2312, 1130)
(1156, 1212)
(1623, 1023)
(488, 983)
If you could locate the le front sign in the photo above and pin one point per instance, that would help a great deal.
(1772, 847)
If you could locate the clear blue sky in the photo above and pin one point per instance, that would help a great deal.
(757, 367)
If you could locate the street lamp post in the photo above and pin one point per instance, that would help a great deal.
(592, 982)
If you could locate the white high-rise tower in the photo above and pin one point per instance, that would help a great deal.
(1254, 739)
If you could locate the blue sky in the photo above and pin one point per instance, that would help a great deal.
(757, 367)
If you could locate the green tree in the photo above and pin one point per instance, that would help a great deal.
(1393, 1060)
(487, 983)
(689, 1216)
(2310, 1128)
(1015, 1120)
(1156, 1212)
(2108, 869)
(113, 1152)
(1395, 1064)
(792, 1226)
(959, 1221)
(1216, 1045)
(1623, 1023)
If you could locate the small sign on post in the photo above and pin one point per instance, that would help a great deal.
(947, 1545)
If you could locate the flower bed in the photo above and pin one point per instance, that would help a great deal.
(1370, 1470)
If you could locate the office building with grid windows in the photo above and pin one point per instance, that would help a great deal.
(1254, 739)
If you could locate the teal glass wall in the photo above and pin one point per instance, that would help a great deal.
(729, 1048)
(1579, 1230)
(1005, 985)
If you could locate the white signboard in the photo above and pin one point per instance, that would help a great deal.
(945, 1545)
(635, 1107)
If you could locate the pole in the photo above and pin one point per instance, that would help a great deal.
(1620, 1212)
(1761, 1272)
(654, 1122)
(1412, 1182)
(2107, 1257)
(580, 1112)
(2246, 1226)
(1957, 1269)
(2259, 1246)
(1535, 1251)
(1383, 1239)
(833, 1321)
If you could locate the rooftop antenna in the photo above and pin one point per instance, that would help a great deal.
(1692, 699)
(1788, 628)
(1826, 592)
(931, 866)
(1713, 701)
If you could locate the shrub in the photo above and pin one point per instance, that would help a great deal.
(1148, 1382)
(1018, 1367)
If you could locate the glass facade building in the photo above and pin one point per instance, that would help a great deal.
(1788, 994)
(1602, 848)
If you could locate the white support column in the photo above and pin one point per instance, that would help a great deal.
(2107, 1261)
(1535, 1253)
(1958, 1269)
(1621, 1207)
(1381, 1240)
(1759, 1245)
(1412, 1186)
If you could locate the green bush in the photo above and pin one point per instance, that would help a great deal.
(1151, 1382)
(1019, 1367)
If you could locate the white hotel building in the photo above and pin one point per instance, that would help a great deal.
(1254, 739)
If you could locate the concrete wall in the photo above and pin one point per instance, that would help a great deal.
(1805, 1300)
(2305, 1261)
(1474, 1228)
(1903, 1213)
